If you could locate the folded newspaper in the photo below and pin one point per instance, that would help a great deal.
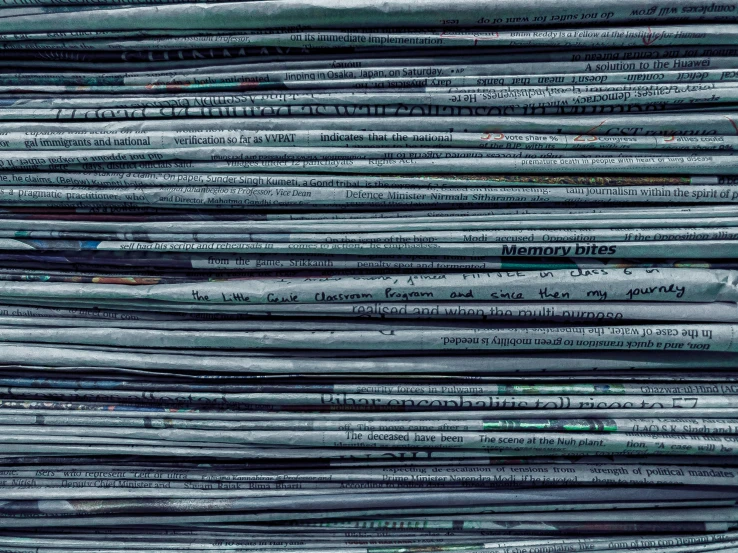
(368, 277)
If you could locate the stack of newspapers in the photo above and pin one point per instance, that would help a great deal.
(351, 276)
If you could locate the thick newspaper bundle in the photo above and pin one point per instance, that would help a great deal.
(346, 276)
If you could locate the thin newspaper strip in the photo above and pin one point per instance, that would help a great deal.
(650, 123)
(357, 14)
(591, 38)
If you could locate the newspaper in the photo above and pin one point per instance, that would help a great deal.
(415, 74)
(332, 139)
(400, 401)
(277, 197)
(32, 316)
(231, 158)
(60, 356)
(563, 162)
(412, 139)
(636, 284)
(647, 122)
(521, 235)
(347, 13)
(510, 544)
(366, 277)
(173, 179)
(650, 123)
(712, 337)
(591, 38)
(416, 219)
(244, 58)
(231, 266)
(452, 476)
